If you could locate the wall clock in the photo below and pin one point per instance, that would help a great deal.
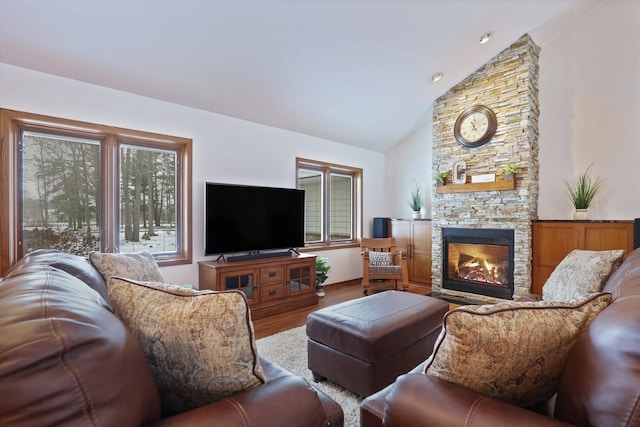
(475, 126)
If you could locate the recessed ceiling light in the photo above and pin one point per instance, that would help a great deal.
(485, 37)
(437, 76)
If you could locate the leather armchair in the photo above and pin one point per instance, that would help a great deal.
(598, 386)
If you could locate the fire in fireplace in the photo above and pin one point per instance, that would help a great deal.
(478, 261)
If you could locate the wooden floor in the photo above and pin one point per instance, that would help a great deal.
(294, 318)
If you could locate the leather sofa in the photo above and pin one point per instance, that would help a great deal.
(599, 386)
(66, 359)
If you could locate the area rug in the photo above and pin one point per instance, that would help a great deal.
(289, 350)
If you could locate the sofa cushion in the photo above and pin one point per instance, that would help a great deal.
(200, 344)
(580, 273)
(66, 358)
(134, 265)
(600, 383)
(75, 265)
(513, 351)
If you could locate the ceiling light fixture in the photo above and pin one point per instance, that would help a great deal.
(485, 37)
(437, 76)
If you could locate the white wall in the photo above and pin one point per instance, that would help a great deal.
(589, 113)
(224, 149)
(590, 109)
(408, 163)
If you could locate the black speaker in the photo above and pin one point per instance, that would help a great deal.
(381, 227)
(636, 233)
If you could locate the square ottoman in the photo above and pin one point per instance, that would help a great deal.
(366, 343)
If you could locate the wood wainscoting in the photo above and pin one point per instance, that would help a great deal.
(553, 240)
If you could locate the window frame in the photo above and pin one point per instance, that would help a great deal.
(111, 138)
(356, 201)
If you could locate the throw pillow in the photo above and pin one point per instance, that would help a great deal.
(379, 259)
(200, 344)
(140, 266)
(512, 351)
(580, 273)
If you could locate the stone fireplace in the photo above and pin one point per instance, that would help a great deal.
(508, 84)
(478, 261)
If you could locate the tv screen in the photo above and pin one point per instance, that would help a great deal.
(242, 218)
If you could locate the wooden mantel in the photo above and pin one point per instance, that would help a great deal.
(499, 184)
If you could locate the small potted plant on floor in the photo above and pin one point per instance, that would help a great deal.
(440, 178)
(582, 192)
(322, 273)
(415, 202)
(509, 171)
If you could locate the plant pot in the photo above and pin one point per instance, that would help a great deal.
(439, 182)
(581, 214)
(509, 176)
(417, 215)
(320, 290)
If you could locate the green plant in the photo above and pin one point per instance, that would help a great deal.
(584, 189)
(415, 202)
(510, 169)
(322, 270)
(440, 176)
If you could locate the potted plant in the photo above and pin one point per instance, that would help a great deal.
(582, 192)
(509, 171)
(415, 202)
(440, 177)
(322, 273)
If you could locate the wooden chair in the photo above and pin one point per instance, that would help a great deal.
(382, 261)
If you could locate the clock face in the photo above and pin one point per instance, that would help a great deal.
(475, 126)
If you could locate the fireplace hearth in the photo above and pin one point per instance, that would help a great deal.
(478, 261)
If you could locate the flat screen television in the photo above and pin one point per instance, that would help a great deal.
(252, 219)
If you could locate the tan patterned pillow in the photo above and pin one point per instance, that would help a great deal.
(580, 273)
(140, 266)
(512, 351)
(200, 344)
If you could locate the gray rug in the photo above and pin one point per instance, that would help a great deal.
(289, 350)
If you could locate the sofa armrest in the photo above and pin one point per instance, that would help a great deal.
(418, 399)
(283, 401)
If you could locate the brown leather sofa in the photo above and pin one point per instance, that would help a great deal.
(65, 359)
(599, 386)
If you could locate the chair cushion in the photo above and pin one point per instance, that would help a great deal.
(379, 259)
(385, 269)
(200, 344)
(140, 266)
(513, 351)
(580, 273)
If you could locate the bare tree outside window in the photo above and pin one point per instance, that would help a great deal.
(147, 200)
(61, 187)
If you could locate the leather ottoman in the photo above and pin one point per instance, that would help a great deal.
(366, 343)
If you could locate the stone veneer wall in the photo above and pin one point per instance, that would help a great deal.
(508, 84)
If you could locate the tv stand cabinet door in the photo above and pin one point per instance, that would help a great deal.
(239, 279)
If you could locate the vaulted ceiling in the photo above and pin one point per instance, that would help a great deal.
(351, 71)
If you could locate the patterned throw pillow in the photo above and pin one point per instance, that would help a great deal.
(200, 344)
(511, 351)
(140, 266)
(379, 259)
(580, 273)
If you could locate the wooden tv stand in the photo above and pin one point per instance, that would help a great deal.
(271, 285)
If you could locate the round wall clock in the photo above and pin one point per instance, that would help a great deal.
(475, 126)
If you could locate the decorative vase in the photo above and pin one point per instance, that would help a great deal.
(417, 214)
(581, 214)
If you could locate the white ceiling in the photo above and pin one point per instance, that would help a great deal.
(351, 71)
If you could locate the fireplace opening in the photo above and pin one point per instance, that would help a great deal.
(478, 261)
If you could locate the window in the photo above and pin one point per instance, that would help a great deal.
(80, 187)
(333, 195)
